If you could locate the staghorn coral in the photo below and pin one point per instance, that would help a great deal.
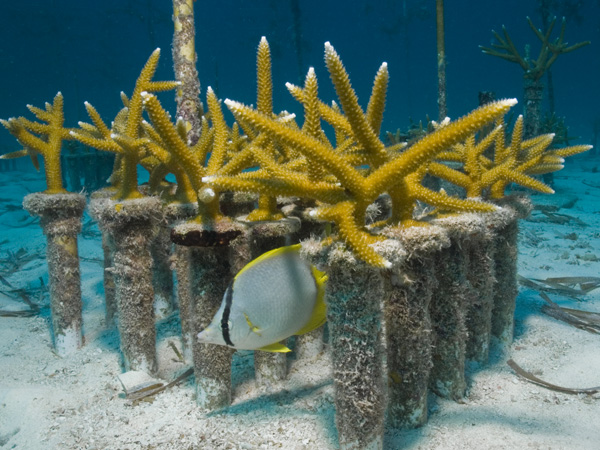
(534, 69)
(168, 143)
(358, 167)
(42, 138)
(342, 177)
(126, 137)
(549, 50)
(515, 162)
(267, 205)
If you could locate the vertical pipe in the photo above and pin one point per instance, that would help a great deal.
(441, 60)
(408, 328)
(132, 225)
(354, 296)
(506, 233)
(189, 107)
(207, 256)
(60, 219)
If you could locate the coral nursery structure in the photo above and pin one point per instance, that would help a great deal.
(419, 278)
(533, 69)
(60, 213)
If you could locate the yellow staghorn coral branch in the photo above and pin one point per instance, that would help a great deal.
(428, 147)
(203, 146)
(273, 187)
(267, 205)
(361, 128)
(99, 124)
(310, 100)
(316, 151)
(300, 182)
(243, 159)
(351, 231)
(570, 151)
(330, 114)
(453, 176)
(123, 137)
(221, 132)
(513, 176)
(532, 156)
(376, 104)
(264, 96)
(446, 202)
(312, 118)
(544, 168)
(474, 153)
(49, 144)
(173, 141)
(144, 83)
(185, 192)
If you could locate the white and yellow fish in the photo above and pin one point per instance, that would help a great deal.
(273, 297)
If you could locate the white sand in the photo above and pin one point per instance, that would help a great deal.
(47, 402)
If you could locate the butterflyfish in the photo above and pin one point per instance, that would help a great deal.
(273, 297)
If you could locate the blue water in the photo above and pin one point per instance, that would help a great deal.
(92, 50)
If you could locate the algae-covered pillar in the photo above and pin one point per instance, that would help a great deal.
(60, 219)
(441, 60)
(132, 225)
(189, 107)
(108, 250)
(162, 275)
(481, 274)
(176, 213)
(450, 305)
(506, 233)
(354, 294)
(409, 341)
(205, 253)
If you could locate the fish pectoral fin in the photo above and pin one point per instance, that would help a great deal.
(277, 347)
(253, 327)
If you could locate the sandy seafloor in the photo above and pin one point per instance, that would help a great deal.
(77, 402)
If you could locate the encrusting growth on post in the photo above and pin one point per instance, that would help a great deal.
(354, 318)
(131, 225)
(189, 107)
(60, 219)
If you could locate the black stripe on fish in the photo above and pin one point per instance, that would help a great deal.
(226, 312)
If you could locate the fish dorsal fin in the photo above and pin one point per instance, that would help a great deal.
(277, 347)
(319, 313)
(269, 254)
